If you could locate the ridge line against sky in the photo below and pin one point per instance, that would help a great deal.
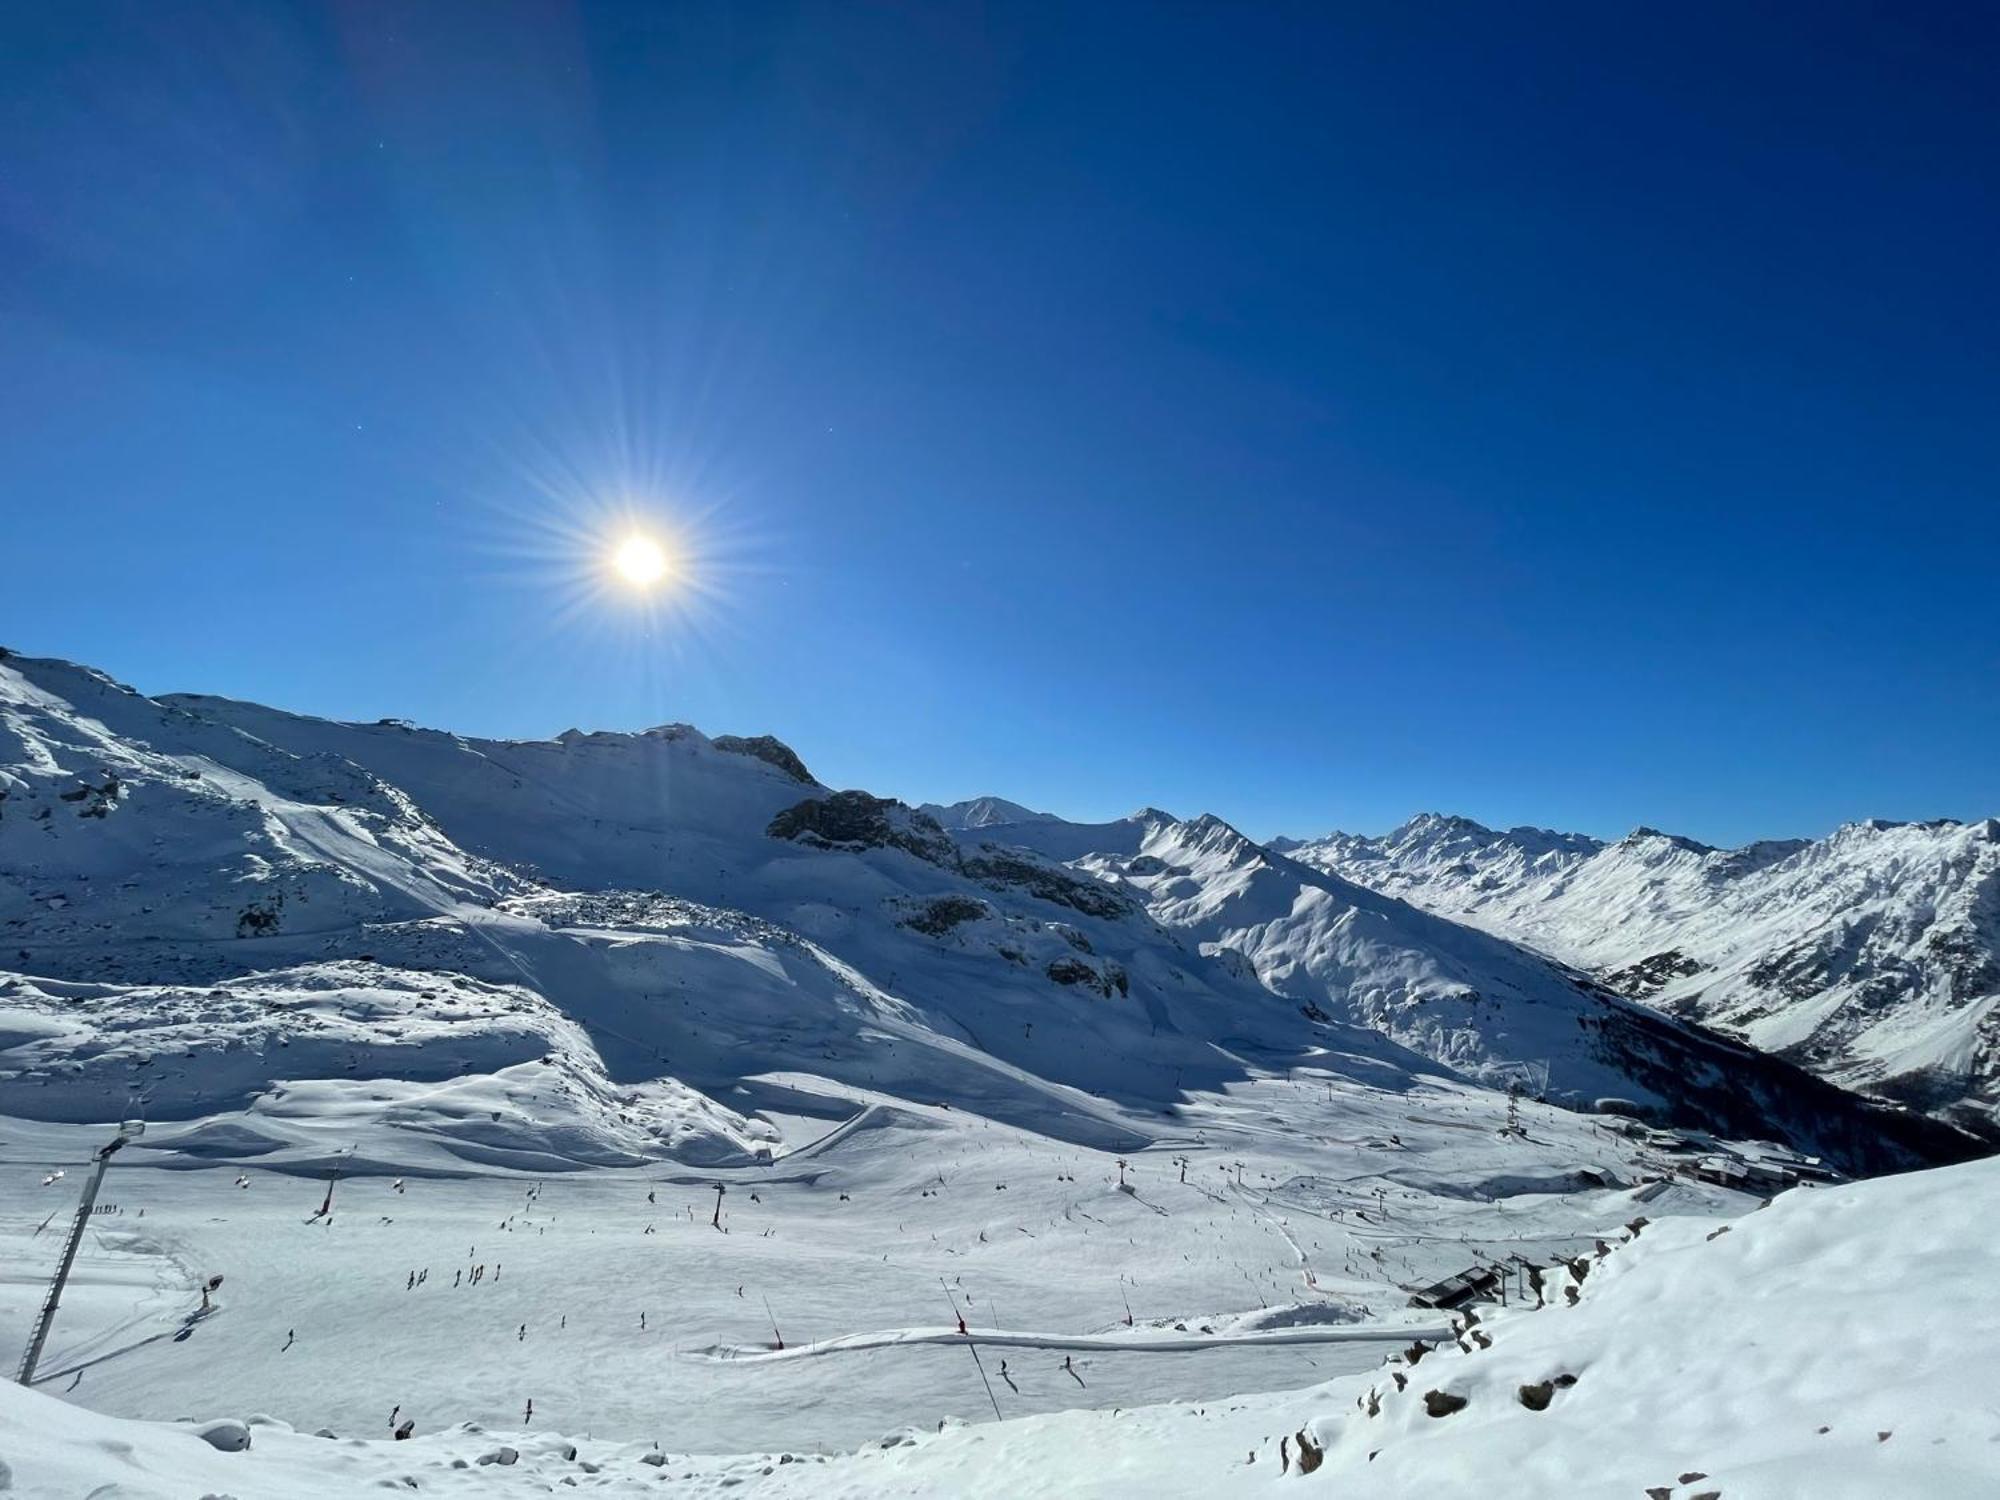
(1567, 417)
(1093, 816)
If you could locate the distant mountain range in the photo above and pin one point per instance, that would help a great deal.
(608, 946)
(1871, 956)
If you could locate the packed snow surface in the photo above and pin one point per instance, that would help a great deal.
(1840, 1343)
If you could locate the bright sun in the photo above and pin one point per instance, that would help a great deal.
(640, 561)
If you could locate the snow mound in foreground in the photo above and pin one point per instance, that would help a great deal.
(1839, 1343)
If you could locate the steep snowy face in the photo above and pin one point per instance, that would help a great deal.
(1470, 1001)
(1053, 972)
(1871, 956)
(124, 821)
(1524, 881)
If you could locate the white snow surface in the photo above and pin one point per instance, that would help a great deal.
(1840, 1343)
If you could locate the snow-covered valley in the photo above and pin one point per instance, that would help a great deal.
(618, 1060)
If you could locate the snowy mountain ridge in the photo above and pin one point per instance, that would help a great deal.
(1871, 956)
(1029, 966)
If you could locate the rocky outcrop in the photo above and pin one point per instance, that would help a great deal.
(1006, 867)
(856, 820)
(767, 748)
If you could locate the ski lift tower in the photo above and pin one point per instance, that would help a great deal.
(129, 1131)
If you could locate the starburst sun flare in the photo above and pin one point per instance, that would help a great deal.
(641, 561)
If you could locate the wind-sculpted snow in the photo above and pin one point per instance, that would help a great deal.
(296, 1065)
(1871, 956)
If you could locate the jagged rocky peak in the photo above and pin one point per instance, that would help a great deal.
(1207, 831)
(1642, 835)
(1454, 830)
(1432, 824)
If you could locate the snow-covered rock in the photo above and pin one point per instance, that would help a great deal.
(983, 812)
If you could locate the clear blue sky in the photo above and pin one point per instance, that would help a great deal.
(1581, 415)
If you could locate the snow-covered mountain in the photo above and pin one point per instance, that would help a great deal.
(1489, 1008)
(1871, 956)
(707, 913)
(669, 1027)
(982, 812)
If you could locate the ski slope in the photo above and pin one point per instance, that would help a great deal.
(1836, 1344)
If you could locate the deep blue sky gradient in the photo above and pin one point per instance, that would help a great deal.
(1580, 415)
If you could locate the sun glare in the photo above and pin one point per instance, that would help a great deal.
(640, 561)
